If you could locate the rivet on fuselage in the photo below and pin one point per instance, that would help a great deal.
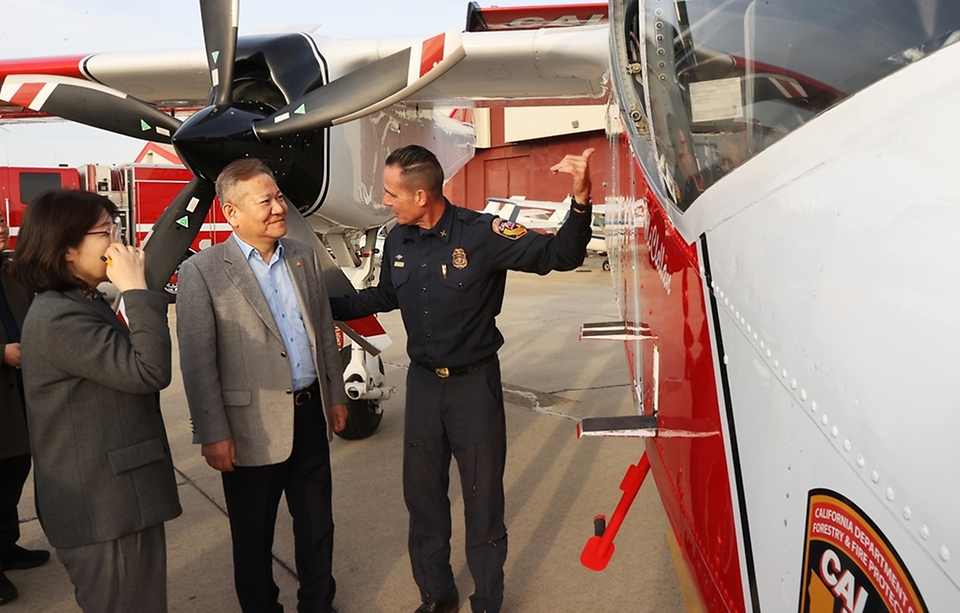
(726, 359)
(875, 476)
(835, 432)
(907, 513)
(803, 394)
(813, 406)
(846, 445)
(944, 553)
(890, 494)
(783, 373)
(793, 383)
(824, 420)
(861, 461)
(924, 532)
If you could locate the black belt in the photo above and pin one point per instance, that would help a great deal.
(455, 371)
(307, 394)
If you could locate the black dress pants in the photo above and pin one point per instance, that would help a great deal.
(253, 496)
(462, 416)
(13, 474)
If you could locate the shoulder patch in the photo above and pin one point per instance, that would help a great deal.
(508, 229)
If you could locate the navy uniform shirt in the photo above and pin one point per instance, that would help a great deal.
(448, 281)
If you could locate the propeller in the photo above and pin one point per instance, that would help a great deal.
(90, 104)
(281, 122)
(367, 89)
(219, 18)
(175, 230)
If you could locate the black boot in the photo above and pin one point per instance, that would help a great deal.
(8, 591)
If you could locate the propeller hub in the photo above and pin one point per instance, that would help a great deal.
(218, 135)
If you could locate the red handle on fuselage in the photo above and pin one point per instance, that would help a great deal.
(599, 549)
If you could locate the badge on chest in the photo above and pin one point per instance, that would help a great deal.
(459, 258)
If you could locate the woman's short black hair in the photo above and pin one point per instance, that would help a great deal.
(55, 221)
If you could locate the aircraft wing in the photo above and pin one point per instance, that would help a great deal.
(500, 66)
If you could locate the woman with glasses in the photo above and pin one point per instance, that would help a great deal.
(102, 464)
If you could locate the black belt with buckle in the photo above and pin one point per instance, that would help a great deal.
(455, 371)
(307, 394)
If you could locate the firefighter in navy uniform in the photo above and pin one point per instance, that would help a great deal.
(445, 268)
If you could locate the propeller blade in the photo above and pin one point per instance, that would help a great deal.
(336, 282)
(367, 89)
(175, 230)
(90, 104)
(220, 39)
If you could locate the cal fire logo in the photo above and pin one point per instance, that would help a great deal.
(849, 566)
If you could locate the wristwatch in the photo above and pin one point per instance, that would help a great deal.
(580, 208)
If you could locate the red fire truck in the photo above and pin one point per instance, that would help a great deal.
(140, 191)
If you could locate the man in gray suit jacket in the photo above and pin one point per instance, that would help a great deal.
(264, 383)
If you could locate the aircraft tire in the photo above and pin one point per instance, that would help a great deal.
(363, 419)
(606, 264)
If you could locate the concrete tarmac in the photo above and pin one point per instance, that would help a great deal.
(555, 484)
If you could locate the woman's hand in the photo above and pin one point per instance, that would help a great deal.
(125, 267)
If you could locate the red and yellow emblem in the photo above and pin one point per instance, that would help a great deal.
(849, 564)
(508, 229)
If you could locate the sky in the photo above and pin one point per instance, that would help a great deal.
(41, 28)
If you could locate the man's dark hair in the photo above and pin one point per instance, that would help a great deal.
(419, 169)
(55, 221)
(243, 169)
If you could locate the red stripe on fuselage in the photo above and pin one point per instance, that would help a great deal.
(692, 474)
(432, 53)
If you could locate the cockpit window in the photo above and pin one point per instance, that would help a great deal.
(720, 81)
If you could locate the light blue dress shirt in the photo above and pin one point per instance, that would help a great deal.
(274, 280)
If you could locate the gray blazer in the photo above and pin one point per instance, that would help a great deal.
(13, 422)
(235, 371)
(102, 463)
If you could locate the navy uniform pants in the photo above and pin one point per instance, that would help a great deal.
(461, 416)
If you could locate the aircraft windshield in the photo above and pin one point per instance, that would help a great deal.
(727, 79)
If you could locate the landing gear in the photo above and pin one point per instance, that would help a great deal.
(606, 264)
(363, 413)
(363, 377)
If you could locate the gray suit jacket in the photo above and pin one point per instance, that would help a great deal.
(101, 459)
(13, 422)
(235, 371)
